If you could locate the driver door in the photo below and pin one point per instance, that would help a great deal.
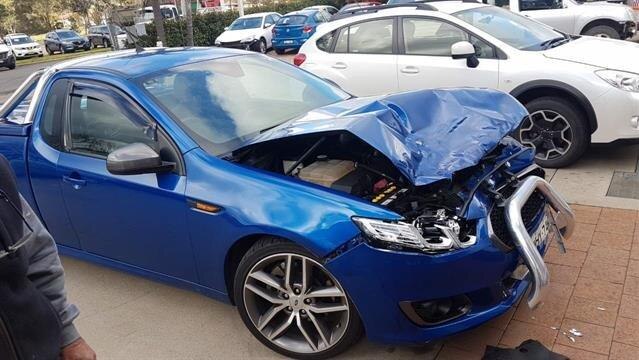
(425, 60)
(139, 220)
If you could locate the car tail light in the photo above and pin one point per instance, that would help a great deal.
(307, 29)
(299, 59)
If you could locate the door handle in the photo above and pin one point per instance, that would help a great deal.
(74, 182)
(410, 70)
(339, 65)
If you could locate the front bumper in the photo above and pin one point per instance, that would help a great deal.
(614, 110)
(252, 45)
(6, 59)
(628, 29)
(381, 281)
(28, 52)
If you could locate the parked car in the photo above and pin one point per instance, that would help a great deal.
(22, 45)
(65, 41)
(7, 59)
(331, 10)
(101, 36)
(168, 12)
(294, 28)
(595, 18)
(408, 217)
(250, 32)
(355, 6)
(578, 90)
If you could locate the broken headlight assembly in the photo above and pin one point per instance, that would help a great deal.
(430, 233)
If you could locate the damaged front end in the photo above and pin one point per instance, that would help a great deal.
(441, 160)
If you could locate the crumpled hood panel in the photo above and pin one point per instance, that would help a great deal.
(427, 134)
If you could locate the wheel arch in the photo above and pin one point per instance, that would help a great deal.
(601, 21)
(539, 88)
(236, 253)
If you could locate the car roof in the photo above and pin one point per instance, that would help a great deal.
(131, 64)
(260, 14)
(16, 35)
(450, 7)
(302, 12)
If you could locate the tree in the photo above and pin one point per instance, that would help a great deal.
(158, 19)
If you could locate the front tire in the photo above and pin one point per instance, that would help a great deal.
(262, 46)
(46, 47)
(603, 31)
(292, 304)
(556, 129)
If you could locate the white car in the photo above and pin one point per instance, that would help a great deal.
(22, 45)
(578, 89)
(6, 57)
(250, 32)
(597, 18)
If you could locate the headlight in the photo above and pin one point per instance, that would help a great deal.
(248, 39)
(427, 235)
(620, 79)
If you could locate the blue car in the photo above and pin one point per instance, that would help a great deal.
(408, 217)
(294, 28)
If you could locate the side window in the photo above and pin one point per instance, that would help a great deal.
(483, 49)
(51, 123)
(318, 17)
(370, 37)
(430, 37)
(100, 124)
(324, 43)
(342, 41)
(527, 5)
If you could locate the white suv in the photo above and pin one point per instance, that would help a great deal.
(598, 18)
(578, 90)
(22, 45)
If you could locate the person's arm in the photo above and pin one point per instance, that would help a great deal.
(47, 274)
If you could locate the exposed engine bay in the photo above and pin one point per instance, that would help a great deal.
(343, 162)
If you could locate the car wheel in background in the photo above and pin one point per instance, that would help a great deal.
(279, 51)
(12, 65)
(603, 31)
(107, 43)
(556, 130)
(262, 46)
(46, 47)
(91, 44)
(292, 304)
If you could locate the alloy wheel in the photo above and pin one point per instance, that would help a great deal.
(548, 132)
(295, 303)
(603, 36)
(262, 47)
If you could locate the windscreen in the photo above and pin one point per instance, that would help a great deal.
(292, 20)
(246, 23)
(513, 29)
(225, 102)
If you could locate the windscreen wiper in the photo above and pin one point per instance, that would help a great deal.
(554, 42)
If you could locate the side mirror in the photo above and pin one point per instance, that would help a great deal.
(266, 26)
(465, 50)
(136, 158)
(226, 28)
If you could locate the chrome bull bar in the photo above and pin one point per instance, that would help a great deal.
(564, 222)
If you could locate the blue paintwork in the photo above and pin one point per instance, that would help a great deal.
(292, 36)
(144, 224)
(426, 146)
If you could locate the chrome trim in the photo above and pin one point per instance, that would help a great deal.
(564, 218)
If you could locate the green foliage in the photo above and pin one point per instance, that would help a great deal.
(207, 27)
